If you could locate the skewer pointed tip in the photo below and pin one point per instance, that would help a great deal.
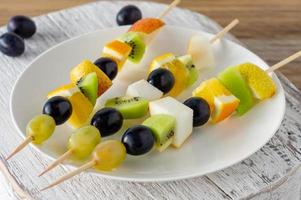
(58, 161)
(70, 175)
(19, 148)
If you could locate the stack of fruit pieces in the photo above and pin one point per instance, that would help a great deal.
(89, 81)
(186, 68)
(237, 88)
(132, 45)
(74, 102)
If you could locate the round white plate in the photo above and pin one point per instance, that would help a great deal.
(210, 148)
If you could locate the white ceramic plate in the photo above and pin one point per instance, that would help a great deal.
(210, 148)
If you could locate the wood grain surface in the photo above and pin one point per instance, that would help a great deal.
(270, 28)
(274, 172)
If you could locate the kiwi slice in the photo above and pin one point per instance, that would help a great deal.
(162, 126)
(138, 46)
(89, 86)
(129, 107)
(193, 72)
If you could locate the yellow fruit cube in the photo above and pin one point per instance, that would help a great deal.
(82, 108)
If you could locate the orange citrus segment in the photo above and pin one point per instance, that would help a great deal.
(118, 51)
(222, 103)
(224, 107)
(87, 67)
(209, 89)
(261, 84)
(147, 25)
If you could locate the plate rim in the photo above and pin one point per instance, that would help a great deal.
(131, 179)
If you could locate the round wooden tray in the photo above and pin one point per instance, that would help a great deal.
(272, 172)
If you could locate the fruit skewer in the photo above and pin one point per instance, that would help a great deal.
(156, 91)
(82, 141)
(186, 68)
(130, 46)
(139, 140)
(48, 123)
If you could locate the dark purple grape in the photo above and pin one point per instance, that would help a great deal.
(22, 26)
(128, 15)
(138, 140)
(11, 44)
(108, 121)
(162, 79)
(59, 108)
(201, 110)
(108, 66)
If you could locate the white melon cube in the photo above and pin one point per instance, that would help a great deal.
(201, 51)
(143, 89)
(182, 113)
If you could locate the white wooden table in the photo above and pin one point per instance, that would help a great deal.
(271, 173)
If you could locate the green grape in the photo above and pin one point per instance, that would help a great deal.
(83, 141)
(40, 128)
(109, 154)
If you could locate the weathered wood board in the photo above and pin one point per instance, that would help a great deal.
(271, 173)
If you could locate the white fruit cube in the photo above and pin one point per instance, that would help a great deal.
(143, 89)
(201, 51)
(182, 114)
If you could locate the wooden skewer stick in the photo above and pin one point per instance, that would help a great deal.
(20, 147)
(224, 31)
(58, 161)
(169, 8)
(71, 174)
(284, 62)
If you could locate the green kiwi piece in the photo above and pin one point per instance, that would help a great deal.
(89, 86)
(129, 107)
(193, 72)
(137, 44)
(162, 126)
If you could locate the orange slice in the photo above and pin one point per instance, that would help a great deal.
(222, 103)
(118, 51)
(261, 84)
(86, 67)
(224, 107)
(147, 25)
